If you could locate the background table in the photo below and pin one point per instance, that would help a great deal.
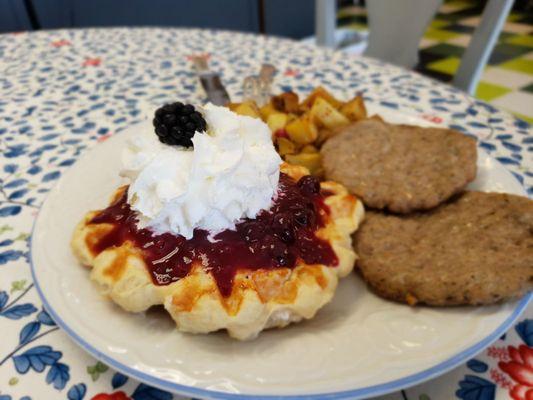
(62, 92)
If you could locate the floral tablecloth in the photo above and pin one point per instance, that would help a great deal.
(62, 92)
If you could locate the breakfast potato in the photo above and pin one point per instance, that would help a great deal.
(287, 102)
(233, 106)
(312, 161)
(309, 148)
(292, 117)
(267, 110)
(320, 93)
(323, 135)
(248, 108)
(276, 121)
(355, 109)
(302, 130)
(326, 115)
(285, 146)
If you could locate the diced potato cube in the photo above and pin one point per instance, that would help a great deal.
(248, 108)
(355, 109)
(324, 134)
(302, 130)
(285, 146)
(277, 121)
(320, 92)
(286, 102)
(326, 115)
(266, 110)
(309, 149)
(233, 106)
(312, 162)
(291, 117)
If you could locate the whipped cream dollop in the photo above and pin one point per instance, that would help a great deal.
(231, 173)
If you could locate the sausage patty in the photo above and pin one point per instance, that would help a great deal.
(477, 249)
(401, 168)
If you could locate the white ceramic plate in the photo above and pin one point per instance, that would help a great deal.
(357, 346)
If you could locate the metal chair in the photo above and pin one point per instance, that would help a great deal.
(396, 27)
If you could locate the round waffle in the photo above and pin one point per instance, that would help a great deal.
(259, 299)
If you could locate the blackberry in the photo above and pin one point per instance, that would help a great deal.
(252, 231)
(277, 251)
(282, 226)
(176, 123)
(309, 185)
(304, 217)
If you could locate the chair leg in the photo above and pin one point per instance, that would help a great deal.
(396, 27)
(32, 15)
(481, 45)
(325, 22)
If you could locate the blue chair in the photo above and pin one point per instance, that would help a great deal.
(275, 17)
(14, 16)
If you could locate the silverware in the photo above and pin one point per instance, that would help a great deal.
(211, 82)
(266, 74)
(258, 87)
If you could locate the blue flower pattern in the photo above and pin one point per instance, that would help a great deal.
(54, 105)
(476, 388)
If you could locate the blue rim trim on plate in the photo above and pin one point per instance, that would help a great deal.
(375, 390)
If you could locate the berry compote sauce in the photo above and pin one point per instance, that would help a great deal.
(276, 238)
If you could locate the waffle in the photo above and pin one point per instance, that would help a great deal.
(259, 299)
